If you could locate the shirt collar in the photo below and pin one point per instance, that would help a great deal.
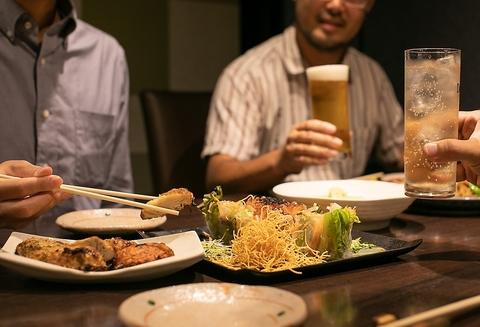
(293, 60)
(11, 12)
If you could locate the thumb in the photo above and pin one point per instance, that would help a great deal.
(453, 150)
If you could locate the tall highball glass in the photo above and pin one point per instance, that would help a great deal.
(432, 87)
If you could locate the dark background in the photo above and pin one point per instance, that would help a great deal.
(391, 27)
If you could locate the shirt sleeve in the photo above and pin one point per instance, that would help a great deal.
(120, 172)
(234, 120)
(389, 149)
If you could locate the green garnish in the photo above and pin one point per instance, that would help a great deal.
(474, 188)
(358, 245)
(151, 302)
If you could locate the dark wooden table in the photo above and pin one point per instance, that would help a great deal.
(443, 269)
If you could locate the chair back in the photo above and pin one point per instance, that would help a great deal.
(175, 128)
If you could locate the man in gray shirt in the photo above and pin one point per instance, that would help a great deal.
(63, 97)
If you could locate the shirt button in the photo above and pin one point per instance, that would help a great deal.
(9, 33)
(46, 113)
(42, 61)
(28, 25)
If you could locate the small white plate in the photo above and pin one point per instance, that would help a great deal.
(214, 305)
(376, 202)
(186, 246)
(108, 221)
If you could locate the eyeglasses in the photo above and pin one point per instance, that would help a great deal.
(357, 4)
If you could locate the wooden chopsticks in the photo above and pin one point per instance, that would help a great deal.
(455, 307)
(112, 193)
(107, 195)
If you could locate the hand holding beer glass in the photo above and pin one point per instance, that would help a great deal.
(328, 86)
(432, 83)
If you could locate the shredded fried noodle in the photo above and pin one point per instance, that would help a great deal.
(265, 245)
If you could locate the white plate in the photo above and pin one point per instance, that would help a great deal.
(376, 202)
(214, 304)
(108, 221)
(186, 246)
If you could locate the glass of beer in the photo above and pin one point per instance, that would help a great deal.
(328, 85)
(432, 87)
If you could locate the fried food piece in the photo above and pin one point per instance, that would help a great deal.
(118, 243)
(463, 190)
(136, 254)
(81, 256)
(175, 199)
(261, 205)
(102, 246)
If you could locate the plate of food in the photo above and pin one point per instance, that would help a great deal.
(214, 304)
(375, 201)
(93, 260)
(260, 238)
(466, 201)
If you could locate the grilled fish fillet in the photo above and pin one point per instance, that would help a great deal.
(77, 256)
(175, 199)
(102, 246)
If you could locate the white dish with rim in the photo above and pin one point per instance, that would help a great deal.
(186, 247)
(214, 305)
(376, 202)
(108, 221)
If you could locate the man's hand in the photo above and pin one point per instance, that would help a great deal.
(311, 142)
(465, 150)
(24, 199)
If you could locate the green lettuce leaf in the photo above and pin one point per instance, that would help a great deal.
(330, 231)
(223, 217)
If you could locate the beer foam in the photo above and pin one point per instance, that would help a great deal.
(328, 73)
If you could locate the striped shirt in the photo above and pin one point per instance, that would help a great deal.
(262, 94)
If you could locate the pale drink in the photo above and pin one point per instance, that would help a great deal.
(432, 79)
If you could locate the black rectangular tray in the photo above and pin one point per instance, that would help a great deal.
(393, 248)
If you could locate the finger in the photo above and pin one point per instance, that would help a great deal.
(453, 150)
(20, 188)
(29, 208)
(311, 137)
(22, 168)
(461, 175)
(310, 150)
(308, 161)
(467, 128)
(318, 126)
(61, 196)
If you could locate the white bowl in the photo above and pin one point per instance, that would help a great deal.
(376, 202)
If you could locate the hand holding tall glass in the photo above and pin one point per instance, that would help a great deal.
(432, 84)
(328, 86)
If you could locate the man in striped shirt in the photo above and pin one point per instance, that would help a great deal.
(260, 130)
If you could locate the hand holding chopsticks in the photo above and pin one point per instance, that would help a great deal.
(23, 201)
(106, 195)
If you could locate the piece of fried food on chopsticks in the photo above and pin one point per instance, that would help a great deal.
(176, 199)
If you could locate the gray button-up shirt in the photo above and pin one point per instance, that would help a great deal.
(64, 102)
